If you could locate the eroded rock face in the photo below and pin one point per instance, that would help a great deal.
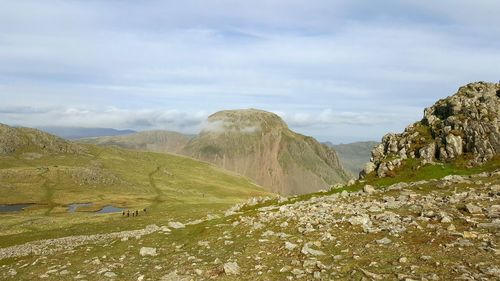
(465, 123)
(260, 146)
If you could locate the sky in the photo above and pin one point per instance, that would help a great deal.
(339, 71)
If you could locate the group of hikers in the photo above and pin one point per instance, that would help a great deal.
(134, 213)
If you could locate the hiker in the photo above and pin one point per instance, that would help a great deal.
(123, 213)
(128, 213)
(136, 213)
(144, 210)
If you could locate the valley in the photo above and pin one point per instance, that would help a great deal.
(426, 206)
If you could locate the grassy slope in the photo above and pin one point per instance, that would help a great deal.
(170, 187)
(154, 141)
(174, 249)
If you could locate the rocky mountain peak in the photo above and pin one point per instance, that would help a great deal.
(259, 145)
(243, 121)
(463, 125)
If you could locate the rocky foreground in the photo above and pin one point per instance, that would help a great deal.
(447, 229)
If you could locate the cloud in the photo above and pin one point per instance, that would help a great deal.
(228, 126)
(109, 117)
(325, 64)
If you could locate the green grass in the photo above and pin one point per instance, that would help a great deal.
(170, 187)
(411, 171)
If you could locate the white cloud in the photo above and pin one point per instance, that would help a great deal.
(324, 64)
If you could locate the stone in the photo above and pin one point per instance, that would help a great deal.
(109, 274)
(307, 250)
(368, 169)
(495, 225)
(451, 228)
(384, 241)
(493, 211)
(371, 275)
(176, 225)
(290, 246)
(165, 229)
(426, 258)
(473, 209)
(360, 220)
(231, 268)
(147, 251)
(368, 189)
(446, 220)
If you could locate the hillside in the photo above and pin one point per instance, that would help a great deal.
(15, 141)
(259, 145)
(354, 156)
(51, 174)
(72, 133)
(431, 228)
(154, 141)
(461, 129)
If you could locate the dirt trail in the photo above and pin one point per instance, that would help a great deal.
(49, 192)
(152, 183)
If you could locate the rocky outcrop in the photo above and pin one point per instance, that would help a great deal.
(465, 125)
(26, 140)
(259, 145)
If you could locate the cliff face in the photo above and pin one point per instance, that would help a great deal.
(463, 125)
(259, 145)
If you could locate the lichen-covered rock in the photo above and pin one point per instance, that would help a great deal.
(466, 123)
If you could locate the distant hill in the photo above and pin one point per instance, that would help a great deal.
(72, 133)
(259, 145)
(16, 140)
(156, 141)
(354, 156)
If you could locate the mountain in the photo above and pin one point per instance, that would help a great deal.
(155, 141)
(72, 133)
(461, 128)
(259, 145)
(354, 156)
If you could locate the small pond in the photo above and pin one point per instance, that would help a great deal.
(72, 207)
(109, 209)
(13, 207)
